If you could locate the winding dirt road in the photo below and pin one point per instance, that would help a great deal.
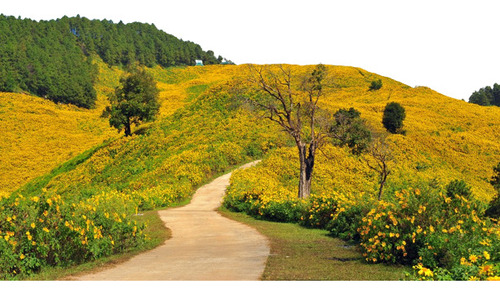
(204, 246)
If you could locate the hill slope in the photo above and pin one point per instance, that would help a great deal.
(203, 131)
(446, 138)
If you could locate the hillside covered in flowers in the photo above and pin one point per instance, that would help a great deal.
(80, 182)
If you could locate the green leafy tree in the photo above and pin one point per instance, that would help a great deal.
(349, 129)
(394, 114)
(494, 205)
(495, 180)
(376, 85)
(458, 187)
(486, 96)
(135, 101)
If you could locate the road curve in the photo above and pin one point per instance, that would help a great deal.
(204, 246)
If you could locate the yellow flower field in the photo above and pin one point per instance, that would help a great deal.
(203, 131)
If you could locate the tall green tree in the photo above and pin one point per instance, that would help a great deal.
(486, 96)
(350, 129)
(493, 209)
(394, 114)
(135, 101)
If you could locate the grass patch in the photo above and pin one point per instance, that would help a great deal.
(157, 234)
(299, 253)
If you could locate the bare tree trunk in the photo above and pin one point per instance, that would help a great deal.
(383, 178)
(382, 156)
(306, 169)
(128, 129)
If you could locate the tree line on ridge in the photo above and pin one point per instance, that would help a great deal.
(53, 59)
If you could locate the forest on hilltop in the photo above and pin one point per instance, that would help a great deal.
(54, 59)
(486, 96)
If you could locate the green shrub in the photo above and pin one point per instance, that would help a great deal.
(458, 187)
(394, 114)
(376, 85)
(319, 211)
(431, 231)
(47, 230)
(345, 224)
(493, 209)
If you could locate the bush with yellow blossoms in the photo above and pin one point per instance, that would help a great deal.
(433, 231)
(49, 230)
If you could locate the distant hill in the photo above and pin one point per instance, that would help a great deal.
(53, 59)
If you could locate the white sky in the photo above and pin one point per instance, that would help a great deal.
(449, 46)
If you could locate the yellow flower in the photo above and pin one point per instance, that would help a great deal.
(21, 256)
(45, 229)
(486, 255)
(473, 278)
(485, 269)
(425, 272)
(473, 258)
(464, 261)
(485, 242)
(33, 225)
(495, 278)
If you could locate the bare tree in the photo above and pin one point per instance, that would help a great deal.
(381, 154)
(291, 101)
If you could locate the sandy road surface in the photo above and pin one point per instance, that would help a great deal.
(204, 246)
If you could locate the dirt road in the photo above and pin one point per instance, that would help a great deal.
(204, 246)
